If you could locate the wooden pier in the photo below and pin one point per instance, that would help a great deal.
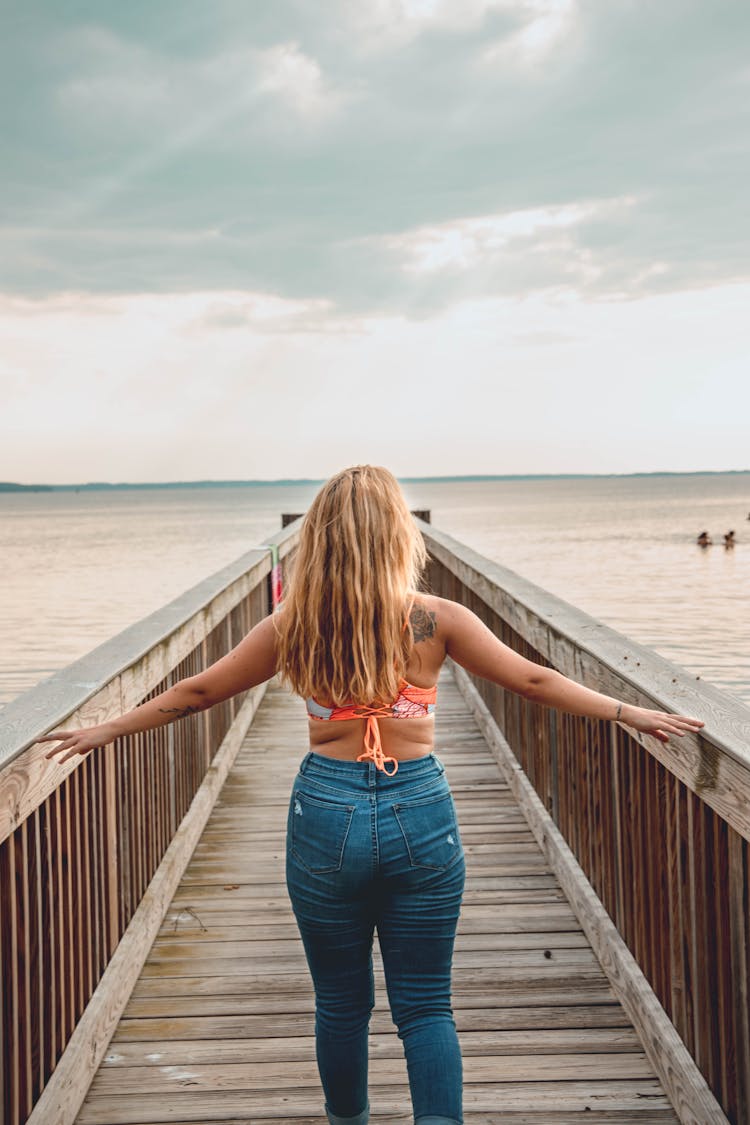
(219, 1026)
(151, 970)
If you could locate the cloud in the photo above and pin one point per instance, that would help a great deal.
(272, 151)
(467, 243)
(546, 23)
(531, 26)
(298, 81)
(225, 384)
(144, 86)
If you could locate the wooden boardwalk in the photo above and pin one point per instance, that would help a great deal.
(220, 1027)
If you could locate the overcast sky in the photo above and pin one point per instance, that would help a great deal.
(260, 240)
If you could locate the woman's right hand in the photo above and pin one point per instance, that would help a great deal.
(78, 741)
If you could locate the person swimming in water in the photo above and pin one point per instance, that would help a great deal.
(729, 539)
(704, 539)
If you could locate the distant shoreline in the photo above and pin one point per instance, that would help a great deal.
(106, 486)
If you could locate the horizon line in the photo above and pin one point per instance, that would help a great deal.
(15, 486)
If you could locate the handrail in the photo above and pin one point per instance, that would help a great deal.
(585, 649)
(57, 698)
(83, 843)
(659, 831)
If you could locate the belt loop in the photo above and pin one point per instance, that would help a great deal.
(305, 762)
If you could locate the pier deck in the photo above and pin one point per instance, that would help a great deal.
(220, 1025)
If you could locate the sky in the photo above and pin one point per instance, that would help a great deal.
(258, 240)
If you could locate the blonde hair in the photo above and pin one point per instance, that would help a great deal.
(341, 627)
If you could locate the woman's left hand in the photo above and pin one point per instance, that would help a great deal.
(660, 724)
(78, 741)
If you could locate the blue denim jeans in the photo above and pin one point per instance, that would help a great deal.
(369, 852)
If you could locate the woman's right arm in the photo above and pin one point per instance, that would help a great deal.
(251, 662)
(472, 645)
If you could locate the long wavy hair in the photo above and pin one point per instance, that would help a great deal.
(341, 625)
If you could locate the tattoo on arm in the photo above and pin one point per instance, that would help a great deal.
(179, 712)
(423, 623)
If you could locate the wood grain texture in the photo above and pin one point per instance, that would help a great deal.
(66, 1088)
(715, 764)
(80, 842)
(220, 1024)
(664, 847)
(683, 1081)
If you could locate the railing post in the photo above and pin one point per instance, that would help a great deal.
(660, 831)
(112, 850)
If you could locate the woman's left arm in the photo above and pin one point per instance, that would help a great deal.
(472, 645)
(251, 662)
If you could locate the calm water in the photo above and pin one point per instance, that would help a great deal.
(78, 567)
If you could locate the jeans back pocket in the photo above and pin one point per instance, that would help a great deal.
(317, 832)
(430, 830)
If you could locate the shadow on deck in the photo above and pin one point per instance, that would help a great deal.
(219, 1027)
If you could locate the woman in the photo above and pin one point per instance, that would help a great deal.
(372, 839)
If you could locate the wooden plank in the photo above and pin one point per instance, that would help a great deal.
(67, 1087)
(24, 1031)
(539, 1018)
(683, 1081)
(159, 641)
(292, 1046)
(111, 853)
(273, 1073)
(521, 1013)
(29, 779)
(740, 952)
(714, 764)
(10, 982)
(212, 924)
(675, 883)
(234, 942)
(481, 962)
(114, 677)
(647, 1115)
(34, 945)
(643, 1097)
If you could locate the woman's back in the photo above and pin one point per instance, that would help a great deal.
(401, 740)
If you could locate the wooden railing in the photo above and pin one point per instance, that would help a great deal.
(660, 830)
(91, 850)
(650, 841)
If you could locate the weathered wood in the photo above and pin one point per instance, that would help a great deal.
(580, 646)
(642, 1099)
(115, 677)
(293, 1046)
(650, 823)
(223, 1007)
(276, 1073)
(67, 1087)
(646, 1114)
(81, 841)
(660, 830)
(587, 1020)
(740, 960)
(683, 1081)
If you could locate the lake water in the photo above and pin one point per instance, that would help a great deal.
(79, 567)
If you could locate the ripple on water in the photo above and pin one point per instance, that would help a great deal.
(79, 567)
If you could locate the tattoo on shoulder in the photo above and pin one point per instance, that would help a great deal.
(423, 623)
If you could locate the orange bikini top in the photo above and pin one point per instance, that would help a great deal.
(412, 702)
